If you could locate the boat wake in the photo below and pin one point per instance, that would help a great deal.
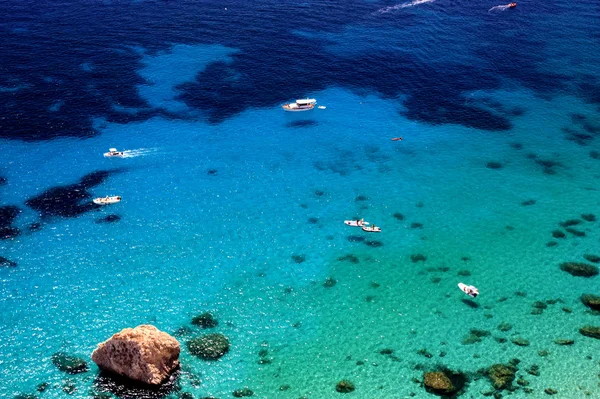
(403, 5)
(138, 153)
(498, 8)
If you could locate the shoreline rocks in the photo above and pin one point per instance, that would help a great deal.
(143, 354)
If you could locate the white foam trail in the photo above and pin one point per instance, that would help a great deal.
(138, 152)
(403, 5)
(498, 8)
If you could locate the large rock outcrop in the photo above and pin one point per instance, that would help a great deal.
(143, 354)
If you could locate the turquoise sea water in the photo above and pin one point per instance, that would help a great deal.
(214, 213)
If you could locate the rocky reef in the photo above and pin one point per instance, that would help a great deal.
(142, 354)
(209, 347)
(205, 320)
(579, 269)
(69, 364)
(501, 376)
(345, 386)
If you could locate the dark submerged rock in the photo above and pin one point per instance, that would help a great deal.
(209, 347)
(550, 391)
(212, 172)
(504, 326)
(8, 214)
(329, 282)
(125, 388)
(345, 386)
(501, 376)
(241, 393)
(349, 258)
(7, 262)
(589, 217)
(564, 341)
(579, 269)
(558, 234)
(520, 341)
(298, 258)
(68, 201)
(205, 320)
(551, 244)
(591, 301)
(444, 382)
(528, 202)
(374, 243)
(418, 258)
(69, 364)
(416, 225)
(592, 258)
(575, 232)
(590, 331)
(398, 216)
(313, 220)
(493, 165)
(570, 222)
(360, 198)
(356, 238)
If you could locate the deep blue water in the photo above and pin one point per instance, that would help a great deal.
(235, 207)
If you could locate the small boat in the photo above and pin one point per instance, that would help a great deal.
(396, 138)
(371, 229)
(300, 105)
(511, 5)
(112, 152)
(470, 290)
(107, 200)
(356, 223)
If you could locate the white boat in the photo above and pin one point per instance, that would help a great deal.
(371, 229)
(107, 200)
(470, 290)
(356, 223)
(300, 105)
(112, 152)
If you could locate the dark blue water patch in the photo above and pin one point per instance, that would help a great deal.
(71, 200)
(302, 123)
(3, 181)
(43, 62)
(8, 214)
(356, 238)
(125, 388)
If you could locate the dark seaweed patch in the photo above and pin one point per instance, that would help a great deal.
(416, 225)
(299, 258)
(68, 201)
(588, 217)
(374, 243)
(398, 216)
(313, 220)
(418, 258)
(8, 214)
(493, 165)
(349, 258)
(528, 202)
(212, 172)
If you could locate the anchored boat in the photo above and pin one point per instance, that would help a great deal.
(300, 105)
(107, 200)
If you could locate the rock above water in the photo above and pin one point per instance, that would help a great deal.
(209, 347)
(591, 301)
(501, 376)
(143, 354)
(69, 364)
(439, 383)
(579, 269)
(590, 331)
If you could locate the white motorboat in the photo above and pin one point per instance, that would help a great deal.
(112, 152)
(371, 229)
(300, 105)
(356, 223)
(470, 290)
(107, 200)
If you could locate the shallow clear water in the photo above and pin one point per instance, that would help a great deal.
(222, 192)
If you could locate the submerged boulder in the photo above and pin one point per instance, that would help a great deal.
(205, 320)
(501, 375)
(591, 301)
(69, 364)
(209, 347)
(443, 382)
(142, 354)
(345, 386)
(590, 331)
(579, 269)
